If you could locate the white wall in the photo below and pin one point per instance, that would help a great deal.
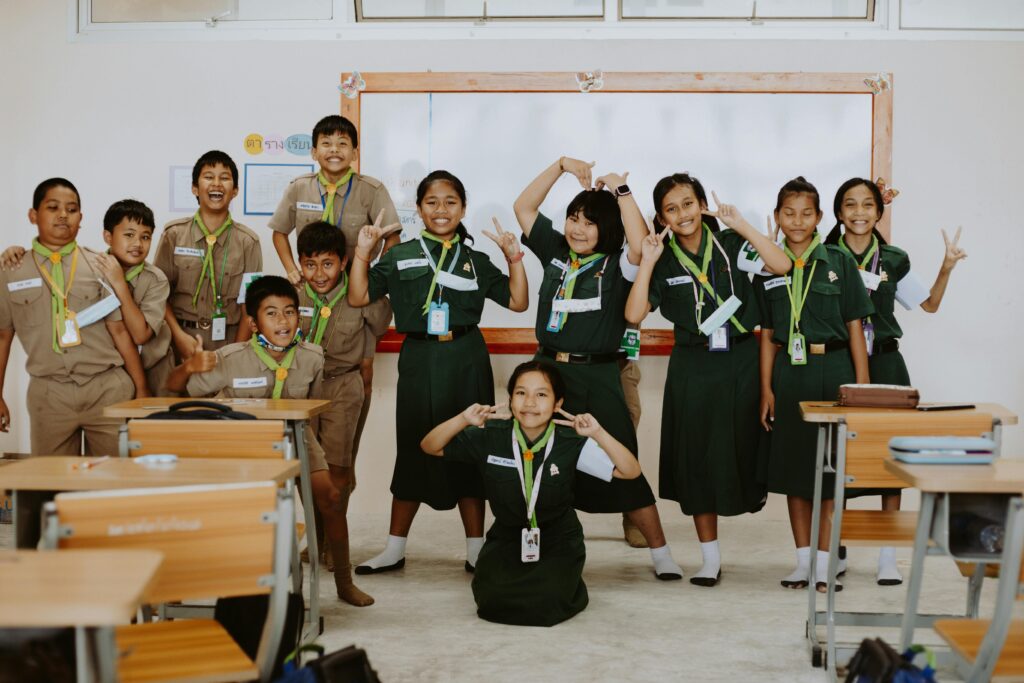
(112, 117)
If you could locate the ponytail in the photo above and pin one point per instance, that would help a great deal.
(837, 207)
(669, 183)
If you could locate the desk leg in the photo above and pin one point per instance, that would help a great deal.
(824, 438)
(106, 654)
(974, 590)
(84, 672)
(299, 435)
(833, 543)
(924, 532)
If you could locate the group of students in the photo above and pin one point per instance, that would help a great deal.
(205, 321)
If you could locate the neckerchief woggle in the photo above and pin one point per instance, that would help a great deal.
(701, 275)
(332, 190)
(567, 284)
(524, 465)
(55, 280)
(280, 369)
(207, 267)
(446, 246)
(323, 309)
(798, 292)
(873, 251)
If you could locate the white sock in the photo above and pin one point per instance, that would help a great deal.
(473, 545)
(394, 551)
(887, 569)
(712, 560)
(663, 562)
(803, 565)
(821, 569)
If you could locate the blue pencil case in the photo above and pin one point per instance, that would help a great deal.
(943, 450)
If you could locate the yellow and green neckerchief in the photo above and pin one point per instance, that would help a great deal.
(528, 460)
(798, 291)
(55, 279)
(702, 273)
(332, 191)
(323, 309)
(280, 369)
(446, 246)
(207, 268)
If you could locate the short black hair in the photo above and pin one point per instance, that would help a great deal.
(545, 368)
(128, 209)
(212, 158)
(335, 124)
(601, 208)
(268, 285)
(42, 188)
(321, 237)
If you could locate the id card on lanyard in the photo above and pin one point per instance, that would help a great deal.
(344, 201)
(530, 548)
(563, 304)
(437, 311)
(871, 278)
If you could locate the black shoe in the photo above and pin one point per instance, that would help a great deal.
(889, 582)
(668, 576)
(367, 569)
(706, 581)
(795, 585)
(470, 569)
(822, 587)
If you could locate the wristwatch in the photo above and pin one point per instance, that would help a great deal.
(622, 190)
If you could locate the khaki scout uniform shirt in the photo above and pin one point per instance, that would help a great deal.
(25, 308)
(344, 341)
(150, 291)
(180, 256)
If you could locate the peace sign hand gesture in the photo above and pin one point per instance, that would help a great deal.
(585, 424)
(773, 230)
(581, 169)
(652, 246)
(506, 241)
(370, 235)
(727, 213)
(478, 414)
(954, 253)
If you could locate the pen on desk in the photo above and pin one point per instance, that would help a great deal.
(89, 464)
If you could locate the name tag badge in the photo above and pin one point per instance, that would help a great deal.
(306, 311)
(24, 284)
(437, 319)
(561, 265)
(869, 337)
(308, 206)
(248, 382)
(797, 349)
(98, 311)
(678, 280)
(70, 336)
(776, 282)
(554, 321)
(501, 462)
(412, 263)
(247, 279)
(530, 551)
(871, 280)
(219, 327)
(189, 251)
(631, 344)
(719, 339)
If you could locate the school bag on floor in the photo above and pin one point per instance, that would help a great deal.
(876, 662)
(348, 665)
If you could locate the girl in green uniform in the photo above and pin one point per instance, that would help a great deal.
(887, 275)
(580, 324)
(530, 571)
(438, 285)
(813, 316)
(709, 430)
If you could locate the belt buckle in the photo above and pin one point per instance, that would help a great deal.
(204, 323)
(817, 349)
(562, 356)
(446, 337)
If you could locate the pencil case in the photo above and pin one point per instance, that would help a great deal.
(878, 396)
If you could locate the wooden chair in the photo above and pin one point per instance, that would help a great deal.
(218, 541)
(205, 438)
(993, 649)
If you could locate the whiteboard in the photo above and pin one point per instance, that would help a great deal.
(743, 146)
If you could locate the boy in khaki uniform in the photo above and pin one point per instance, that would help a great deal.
(336, 194)
(275, 363)
(205, 258)
(54, 301)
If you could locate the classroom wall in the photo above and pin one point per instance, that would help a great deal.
(113, 117)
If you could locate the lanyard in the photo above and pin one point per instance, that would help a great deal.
(798, 298)
(872, 252)
(323, 309)
(524, 466)
(701, 275)
(446, 246)
(55, 280)
(570, 274)
(211, 241)
(332, 190)
(280, 369)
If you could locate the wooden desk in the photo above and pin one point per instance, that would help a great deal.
(819, 412)
(90, 590)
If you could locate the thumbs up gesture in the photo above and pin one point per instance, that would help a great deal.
(201, 361)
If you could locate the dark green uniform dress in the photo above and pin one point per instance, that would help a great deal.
(506, 589)
(836, 296)
(436, 379)
(594, 388)
(709, 420)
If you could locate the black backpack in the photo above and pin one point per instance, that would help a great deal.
(199, 410)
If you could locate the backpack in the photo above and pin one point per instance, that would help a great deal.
(199, 410)
(876, 662)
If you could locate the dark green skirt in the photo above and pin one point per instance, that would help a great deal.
(543, 593)
(710, 431)
(436, 381)
(597, 389)
(787, 466)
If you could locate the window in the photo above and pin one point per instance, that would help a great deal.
(375, 10)
(125, 11)
(747, 9)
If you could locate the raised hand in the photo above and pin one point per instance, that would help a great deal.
(653, 246)
(11, 258)
(110, 268)
(295, 277)
(478, 414)
(611, 181)
(773, 230)
(201, 361)
(585, 424)
(581, 169)
(506, 241)
(954, 253)
(370, 235)
(727, 213)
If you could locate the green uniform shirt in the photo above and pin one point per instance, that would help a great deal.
(673, 286)
(893, 266)
(586, 332)
(836, 296)
(404, 274)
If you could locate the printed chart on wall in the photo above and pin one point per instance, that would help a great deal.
(743, 146)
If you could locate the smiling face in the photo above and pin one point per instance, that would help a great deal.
(129, 242)
(334, 153)
(859, 211)
(277, 319)
(798, 218)
(441, 209)
(215, 189)
(322, 271)
(581, 233)
(58, 217)
(533, 401)
(680, 210)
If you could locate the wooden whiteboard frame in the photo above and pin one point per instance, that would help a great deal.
(653, 342)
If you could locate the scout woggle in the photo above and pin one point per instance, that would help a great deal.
(446, 246)
(207, 267)
(871, 281)
(701, 275)
(280, 369)
(524, 465)
(563, 303)
(62, 317)
(323, 309)
(797, 298)
(332, 189)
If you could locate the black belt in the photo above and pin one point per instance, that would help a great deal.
(581, 358)
(886, 347)
(201, 324)
(703, 343)
(822, 349)
(453, 333)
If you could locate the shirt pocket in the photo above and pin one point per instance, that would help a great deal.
(346, 336)
(189, 268)
(824, 301)
(31, 306)
(229, 280)
(304, 217)
(85, 294)
(884, 299)
(413, 285)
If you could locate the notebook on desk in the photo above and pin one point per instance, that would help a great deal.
(943, 450)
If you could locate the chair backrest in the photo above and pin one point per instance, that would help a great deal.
(206, 438)
(868, 434)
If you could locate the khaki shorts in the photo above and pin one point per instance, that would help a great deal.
(60, 412)
(336, 427)
(630, 375)
(314, 450)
